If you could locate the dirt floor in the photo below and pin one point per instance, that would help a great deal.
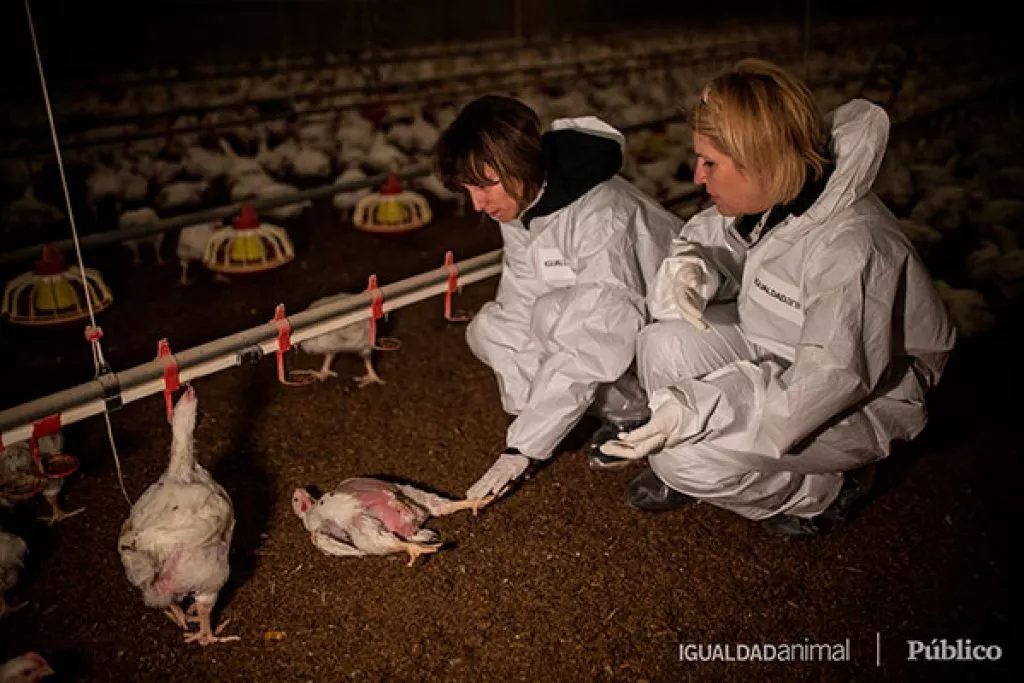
(560, 581)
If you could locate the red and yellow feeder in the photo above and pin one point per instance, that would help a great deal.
(392, 209)
(54, 293)
(248, 246)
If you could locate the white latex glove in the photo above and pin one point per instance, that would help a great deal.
(670, 420)
(686, 288)
(507, 468)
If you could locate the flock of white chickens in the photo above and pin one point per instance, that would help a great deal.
(958, 190)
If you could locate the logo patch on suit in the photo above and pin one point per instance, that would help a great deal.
(554, 267)
(778, 297)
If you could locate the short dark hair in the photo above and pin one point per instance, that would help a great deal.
(496, 131)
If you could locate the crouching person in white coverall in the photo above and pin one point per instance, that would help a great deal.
(797, 330)
(581, 246)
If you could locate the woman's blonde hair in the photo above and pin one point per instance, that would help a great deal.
(768, 123)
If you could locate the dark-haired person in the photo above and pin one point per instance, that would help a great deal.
(581, 245)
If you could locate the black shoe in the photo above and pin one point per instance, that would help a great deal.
(609, 431)
(791, 525)
(650, 494)
(856, 486)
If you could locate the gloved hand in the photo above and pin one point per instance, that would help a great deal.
(670, 424)
(686, 288)
(506, 469)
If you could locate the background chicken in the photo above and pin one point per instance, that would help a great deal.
(20, 479)
(176, 539)
(12, 558)
(28, 668)
(354, 338)
(373, 517)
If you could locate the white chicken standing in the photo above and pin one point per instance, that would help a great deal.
(134, 218)
(192, 241)
(176, 540)
(345, 202)
(372, 517)
(354, 338)
(12, 559)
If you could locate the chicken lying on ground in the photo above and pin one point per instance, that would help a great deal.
(176, 539)
(354, 338)
(12, 558)
(20, 479)
(28, 668)
(373, 517)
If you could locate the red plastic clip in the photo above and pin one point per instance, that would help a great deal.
(171, 381)
(284, 344)
(376, 308)
(93, 334)
(453, 287)
(284, 340)
(40, 428)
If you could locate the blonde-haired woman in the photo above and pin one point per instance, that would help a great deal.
(797, 331)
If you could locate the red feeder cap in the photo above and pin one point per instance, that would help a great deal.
(247, 219)
(52, 262)
(392, 186)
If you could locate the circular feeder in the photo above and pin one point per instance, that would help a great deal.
(391, 209)
(248, 246)
(54, 293)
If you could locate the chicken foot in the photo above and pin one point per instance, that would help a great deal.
(323, 373)
(206, 635)
(416, 549)
(439, 506)
(184, 273)
(455, 506)
(218, 277)
(7, 609)
(371, 376)
(180, 618)
(58, 514)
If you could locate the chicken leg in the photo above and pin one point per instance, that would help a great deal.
(175, 614)
(184, 273)
(7, 609)
(136, 258)
(439, 506)
(371, 376)
(58, 514)
(323, 373)
(206, 635)
(455, 506)
(415, 549)
(158, 241)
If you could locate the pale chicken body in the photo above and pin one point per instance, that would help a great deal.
(12, 559)
(372, 517)
(176, 540)
(354, 338)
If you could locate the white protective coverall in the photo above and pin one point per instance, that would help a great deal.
(824, 358)
(561, 332)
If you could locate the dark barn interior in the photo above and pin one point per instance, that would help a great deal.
(155, 107)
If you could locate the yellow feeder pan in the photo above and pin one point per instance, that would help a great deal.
(391, 210)
(248, 246)
(54, 293)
